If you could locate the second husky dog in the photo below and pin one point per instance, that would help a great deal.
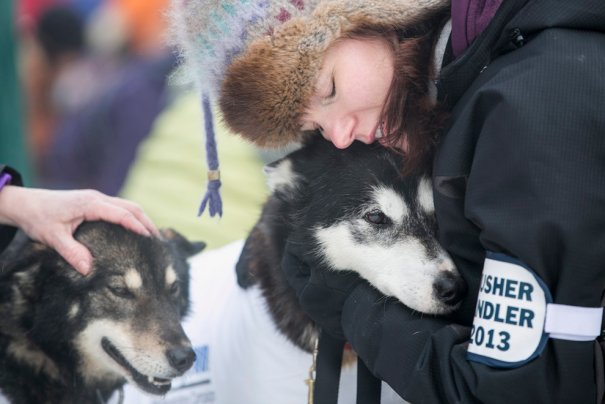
(67, 338)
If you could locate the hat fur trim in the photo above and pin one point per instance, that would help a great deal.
(266, 89)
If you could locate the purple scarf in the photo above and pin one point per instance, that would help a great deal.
(469, 19)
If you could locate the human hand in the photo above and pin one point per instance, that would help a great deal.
(321, 291)
(51, 217)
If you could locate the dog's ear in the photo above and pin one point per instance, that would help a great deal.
(282, 179)
(20, 263)
(183, 245)
(16, 249)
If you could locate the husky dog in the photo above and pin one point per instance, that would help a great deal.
(68, 338)
(355, 212)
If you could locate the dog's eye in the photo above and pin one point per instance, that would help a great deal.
(121, 292)
(175, 289)
(376, 217)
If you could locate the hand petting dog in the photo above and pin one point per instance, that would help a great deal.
(51, 217)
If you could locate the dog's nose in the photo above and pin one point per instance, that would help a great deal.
(449, 288)
(181, 358)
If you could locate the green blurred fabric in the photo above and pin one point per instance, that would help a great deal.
(168, 177)
(12, 143)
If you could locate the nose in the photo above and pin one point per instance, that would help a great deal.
(449, 288)
(340, 133)
(181, 358)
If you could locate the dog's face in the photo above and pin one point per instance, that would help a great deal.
(360, 214)
(120, 322)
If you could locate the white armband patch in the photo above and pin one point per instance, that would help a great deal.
(573, 323)
(508, 328)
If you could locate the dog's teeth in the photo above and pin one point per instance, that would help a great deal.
(158, 382)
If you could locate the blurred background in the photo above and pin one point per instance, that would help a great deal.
(86, 101)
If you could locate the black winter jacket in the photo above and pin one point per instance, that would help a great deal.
(520, 172)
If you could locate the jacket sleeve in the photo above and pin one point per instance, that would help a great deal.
(531, 135)
(8, 232)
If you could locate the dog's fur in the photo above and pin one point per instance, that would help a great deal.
(68, 338)
(355, 211)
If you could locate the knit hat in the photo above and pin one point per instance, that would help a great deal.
(209, 34)
(260, 58)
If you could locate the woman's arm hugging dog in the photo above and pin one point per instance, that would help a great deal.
(79, 338)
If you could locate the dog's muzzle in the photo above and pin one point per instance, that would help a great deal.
(180, 358)
(449, 288)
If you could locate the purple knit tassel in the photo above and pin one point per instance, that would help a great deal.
(212, 197)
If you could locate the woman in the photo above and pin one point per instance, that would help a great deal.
(518, 178)
(51, 217)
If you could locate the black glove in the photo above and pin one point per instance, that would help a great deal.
(321, 291)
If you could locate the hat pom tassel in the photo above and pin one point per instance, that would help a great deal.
(212, 197)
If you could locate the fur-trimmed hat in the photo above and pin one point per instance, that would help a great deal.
(260, 58)
(267, 87)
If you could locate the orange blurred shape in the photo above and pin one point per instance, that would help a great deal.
(146, 22)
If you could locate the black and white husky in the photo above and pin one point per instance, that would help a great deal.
(356, 212)
(68, 338)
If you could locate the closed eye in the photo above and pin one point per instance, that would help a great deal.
(329, 95)
(121, 292)
(319, 128)
(175, 289)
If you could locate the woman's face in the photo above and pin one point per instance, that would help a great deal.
(351, 90)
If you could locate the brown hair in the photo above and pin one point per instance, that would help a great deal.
(410, 113)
